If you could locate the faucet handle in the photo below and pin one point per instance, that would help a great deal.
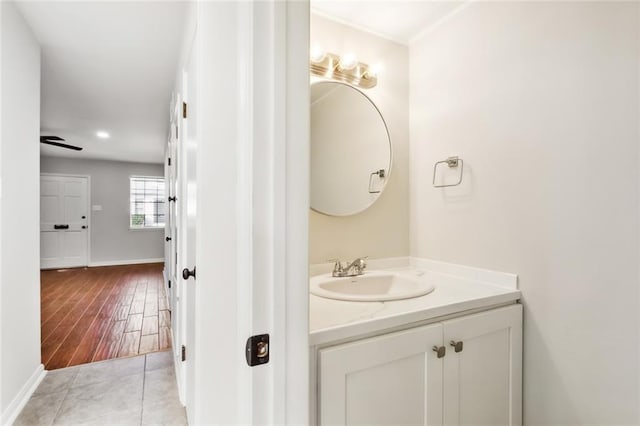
(337, 266)
(361, 263)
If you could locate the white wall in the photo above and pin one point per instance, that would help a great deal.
(19, 209)
(381, 230)
(540, 99)
(111, 238)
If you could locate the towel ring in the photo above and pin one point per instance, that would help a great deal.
(451, 162)
(381, 174)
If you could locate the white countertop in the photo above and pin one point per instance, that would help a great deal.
(332, 320)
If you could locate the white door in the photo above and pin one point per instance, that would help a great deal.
(173, 226)
(394, 379)
(181, 232)
(172, 238)
(483, 378)
(250, 126)
(63, 221)
(169, 257)
(187, 256)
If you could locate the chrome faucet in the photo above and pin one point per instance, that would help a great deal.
(352, 269)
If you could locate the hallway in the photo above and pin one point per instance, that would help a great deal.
(94, 314)
(130, 391)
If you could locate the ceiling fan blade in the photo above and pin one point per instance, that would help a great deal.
(51, 138)
(62, 145)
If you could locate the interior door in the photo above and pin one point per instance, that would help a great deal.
(249, 124)
(63, 221)
(385, 380)
(172, 237)
(483, 373)
(169, 263)
(188, 152)
(176, 235)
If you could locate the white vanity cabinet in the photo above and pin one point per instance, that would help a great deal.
(398, 378)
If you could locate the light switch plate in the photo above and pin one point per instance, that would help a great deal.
(96, 208)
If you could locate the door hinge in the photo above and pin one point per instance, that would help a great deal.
(169, 283)
(169, 161)
(176, 132)
(183, 352)
(184, 110)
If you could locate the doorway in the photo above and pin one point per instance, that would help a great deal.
(104, 281)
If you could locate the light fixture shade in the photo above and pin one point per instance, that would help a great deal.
(374, 70)
(348, 61)
(317, 55)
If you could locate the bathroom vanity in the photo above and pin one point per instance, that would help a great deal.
(453, 356)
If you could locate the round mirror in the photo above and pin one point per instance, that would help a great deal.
(350, 150)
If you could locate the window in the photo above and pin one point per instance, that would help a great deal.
(147, 202)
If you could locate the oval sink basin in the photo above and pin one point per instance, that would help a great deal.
(373, 286)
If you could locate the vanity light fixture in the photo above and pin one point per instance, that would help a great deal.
(344, 68)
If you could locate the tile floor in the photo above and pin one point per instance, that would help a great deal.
(128, 391)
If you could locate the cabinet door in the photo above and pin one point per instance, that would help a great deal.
(394, 379)
(483, 381)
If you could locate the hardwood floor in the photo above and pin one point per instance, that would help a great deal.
(93, 314)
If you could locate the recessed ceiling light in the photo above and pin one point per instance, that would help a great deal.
(102, 134)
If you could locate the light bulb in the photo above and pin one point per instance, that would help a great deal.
(317, 55)
(374, 70)
(348, 61)
(102, 134)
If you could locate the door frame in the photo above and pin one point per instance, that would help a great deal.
(253, 207)
(88, 177)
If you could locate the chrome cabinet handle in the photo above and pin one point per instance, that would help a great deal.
(457, 346)
(440, 351)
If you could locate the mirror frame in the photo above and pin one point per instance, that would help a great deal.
(386, 128)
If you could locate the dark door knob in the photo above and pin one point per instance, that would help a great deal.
(84, 227)
(186, 273)
(84, 217)
(172, 199)
(167, 238)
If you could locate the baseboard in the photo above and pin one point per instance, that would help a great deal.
(13, 410)
(125, 262)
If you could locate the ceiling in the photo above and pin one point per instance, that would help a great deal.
(107, 66)
(398, 20)
(110, 65)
